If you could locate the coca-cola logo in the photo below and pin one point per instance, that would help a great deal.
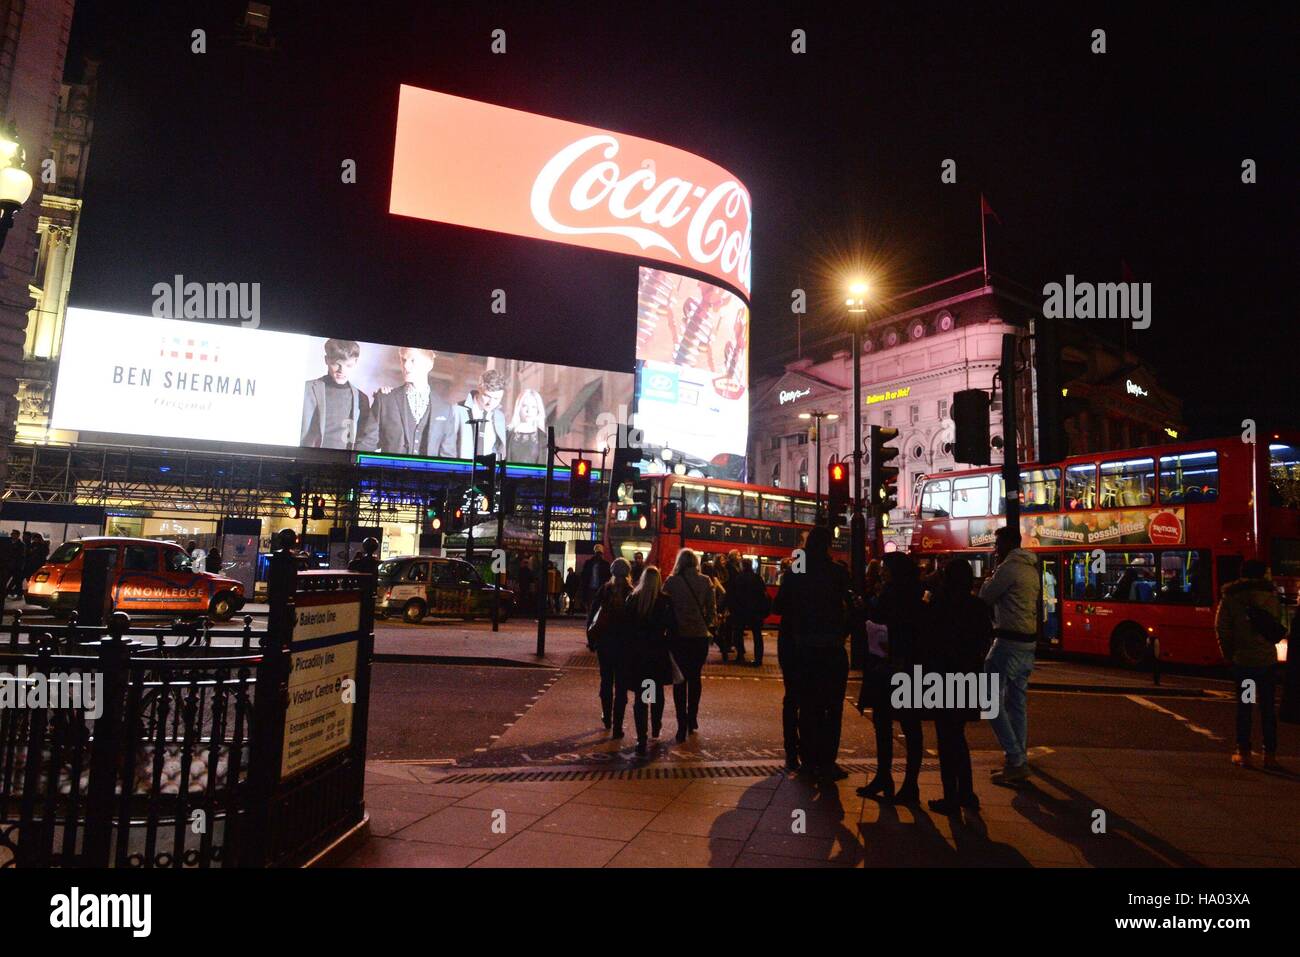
(584, 183)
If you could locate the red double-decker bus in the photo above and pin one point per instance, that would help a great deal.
(1133, 545)
(714, 517)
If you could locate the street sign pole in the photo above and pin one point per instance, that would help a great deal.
(546, 532)
(1010, 447)
(501, 539)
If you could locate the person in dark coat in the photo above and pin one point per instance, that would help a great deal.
(954, 640)
(595, 572)
(787, 656)
(17, 564)
(527, 585)
(212, 563)
(899, 610)
(646, 660)
(572, 586)
(815, 603)
(611, 613)
(365, 561)
(750, 607)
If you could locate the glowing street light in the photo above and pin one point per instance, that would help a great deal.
(15, 182)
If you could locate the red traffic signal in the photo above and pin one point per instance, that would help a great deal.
(580, 480)
(838, 486)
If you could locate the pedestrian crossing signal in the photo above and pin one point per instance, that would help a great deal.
(580, 481)
(838, 475)
(671, 515)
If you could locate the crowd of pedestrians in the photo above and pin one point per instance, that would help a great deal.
(21, 554)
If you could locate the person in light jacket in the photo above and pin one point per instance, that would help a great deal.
(696, 613)
(1012, 591)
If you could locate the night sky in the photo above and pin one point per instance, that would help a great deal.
(225, 166)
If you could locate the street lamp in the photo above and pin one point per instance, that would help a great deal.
(15, 182)
(857, 307)
(819, 415)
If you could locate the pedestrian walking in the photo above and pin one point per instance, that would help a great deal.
(752, 606)
(1012, 590)
(608, 623)
(695, 611)
(1248, 624)
(892, 630)
(572, 588)
(553, 586)
(954, 640)
(527, 585)
(595, 572)
(17, 564)
(212, 563)
(648, 658)
(720, 633)
(816, 602)
(787, 656)
(638, 566)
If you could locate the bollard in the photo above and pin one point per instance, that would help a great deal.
(248, 632)
(13, 633)
(107, 744)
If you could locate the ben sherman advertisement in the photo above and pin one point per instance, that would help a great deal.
(475, 164)
(170, 378)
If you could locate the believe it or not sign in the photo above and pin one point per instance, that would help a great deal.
(888, 394)
(323, 668)
(475, 164)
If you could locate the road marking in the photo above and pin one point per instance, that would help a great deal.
(1146, 703)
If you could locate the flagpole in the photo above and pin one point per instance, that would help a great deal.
(984, 244)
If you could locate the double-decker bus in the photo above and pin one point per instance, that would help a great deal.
(1133, 545)
(765, 524)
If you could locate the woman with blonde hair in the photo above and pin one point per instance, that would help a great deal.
(526, 431)
(649, 667)
(696, 613)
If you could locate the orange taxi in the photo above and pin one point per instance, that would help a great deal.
(146, 577)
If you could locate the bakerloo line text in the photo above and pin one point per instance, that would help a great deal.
(185, 381)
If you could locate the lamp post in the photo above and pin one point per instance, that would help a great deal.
(15, 182)
(818, 415)
(857, 307)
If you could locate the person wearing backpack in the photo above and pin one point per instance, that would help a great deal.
(649, 668)
(1248, 624)
(608, 623)
(696, 614)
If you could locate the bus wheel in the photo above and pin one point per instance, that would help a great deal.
(414, 611)
(1128, 645)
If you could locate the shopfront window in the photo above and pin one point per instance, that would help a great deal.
(1128, 483)
(1189, 477)
(1081, 486)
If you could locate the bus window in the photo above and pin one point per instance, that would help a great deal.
(1185, 578)
(1128, 483)
(1189, 477)
(1038, 490)
(805, 512)
(1051, 598)
(970, 496)
(1080, 486)
(1283, 476)
(936, 498)
(778, 508)
(750, 501)
(694, 499)
(724, 501)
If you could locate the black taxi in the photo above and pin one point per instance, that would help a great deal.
(416, 586)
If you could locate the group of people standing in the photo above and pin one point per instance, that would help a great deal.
(938, 624)
(651, 638)
(21, 554)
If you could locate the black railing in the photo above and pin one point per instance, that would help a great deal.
(172, 754)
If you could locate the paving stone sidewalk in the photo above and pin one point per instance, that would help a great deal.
(1160, 809)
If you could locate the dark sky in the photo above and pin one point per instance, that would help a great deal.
(225, 166)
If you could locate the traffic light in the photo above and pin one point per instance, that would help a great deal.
(293, 496)
(318, 507)
(884, 477)
(509, 490)
(579, 481)
(970, 417)
(625, 470)
(435, 506)
(672, 512)
(642, 492)
(488, 489)
(457, 519)
(838, 475)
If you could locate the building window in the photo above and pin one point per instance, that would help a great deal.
(888, 418)
(776, 442)
(913, 414)
(776, 474)
(943, 409)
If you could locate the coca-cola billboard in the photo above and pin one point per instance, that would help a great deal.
(475, 164)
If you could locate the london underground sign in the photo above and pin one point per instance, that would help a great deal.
(475, 164)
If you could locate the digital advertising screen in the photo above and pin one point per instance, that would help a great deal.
(171, 378)
(476, 164)
(692, 354)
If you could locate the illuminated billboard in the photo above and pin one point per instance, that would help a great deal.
(692, 352)
(476, 164)
(171, 378)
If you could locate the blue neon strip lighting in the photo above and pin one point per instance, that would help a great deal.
(513, 470)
